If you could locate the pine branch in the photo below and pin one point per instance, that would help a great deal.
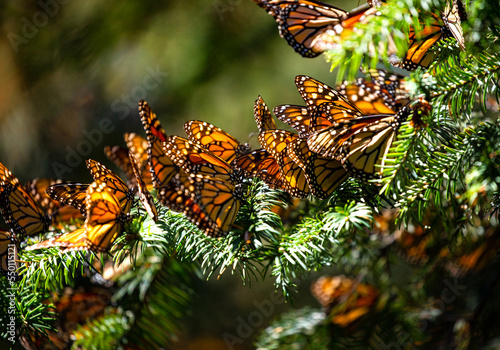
(301, 329)
(381, 35)
(462, 81)
(102, 333)
(31, 313)
(159, 295)
(314, 244)
(444, 170)
(51, 269)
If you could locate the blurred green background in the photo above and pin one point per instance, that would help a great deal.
(69, 66)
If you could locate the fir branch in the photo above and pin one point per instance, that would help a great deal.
(460, 82)
(381, 36)
(31, 313)
(444, 170)
(159, 293)
(52, 269)
(301, 329)
(103, 333)
(313, 244)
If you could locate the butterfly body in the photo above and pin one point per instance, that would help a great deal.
(213, 184)
(144, 195)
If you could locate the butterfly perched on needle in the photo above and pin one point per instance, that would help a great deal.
(60, 213)
(323, 174)
(162, 168)
(144, 195)
(337, 128)
(113, 182)
(260, 163)
(278, 143)
(215, 140)
(103, 223)
(444, 25)
(105, 217)
(382, 95)
(75, 194)
(315, 93)
(361, 143)
(178, 195)
(138, 145)
(20, 211)
(212, 184)
(308, 25)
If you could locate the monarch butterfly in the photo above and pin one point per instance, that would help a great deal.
(161, 167)
(198, 161)
(144, 195)
(103, 222)
(105, 216)
(114, 183)
(262, 116)
(391, 87)
(316, 93)
(177, 195)
(442, 26)
(323, 175)
(73, 194)
(308, 25)
(278, 143)
(368, 97)
(58, 212)
(8, 250)
(138, 145)
(19, 210)
(119, 155)
(215, 188)
(360, 143)
(215, 140)
(260, 163)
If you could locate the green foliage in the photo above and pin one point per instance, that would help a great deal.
(299, 329)
(25, 305)
(440, 181)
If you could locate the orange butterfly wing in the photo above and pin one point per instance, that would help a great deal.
(302, 23)
(19, 210)
(161, 167)
(215, 140)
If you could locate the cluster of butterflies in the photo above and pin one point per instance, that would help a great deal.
(312, 27)
(339, 132)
